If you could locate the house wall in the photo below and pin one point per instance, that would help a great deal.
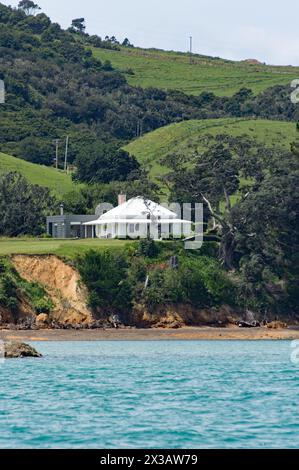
(141, 231)
(69, 226)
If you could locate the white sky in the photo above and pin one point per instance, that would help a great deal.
(266, 30)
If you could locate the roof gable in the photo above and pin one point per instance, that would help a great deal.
(139, 207)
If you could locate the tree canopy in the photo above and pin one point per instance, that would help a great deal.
(251, 199)
(78, 24)
(28, 7)
(23, 206)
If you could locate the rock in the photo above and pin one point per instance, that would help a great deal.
(165, 323)
(14, 350)
(277, 325)
(42, 320)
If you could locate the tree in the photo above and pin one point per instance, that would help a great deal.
(23, 206)
(127, 43)
(103, 164)
(37, 150)
(251, 196)
(267, 226)
(84, 200)
(229, 169)
(78, 24)
(28, 7)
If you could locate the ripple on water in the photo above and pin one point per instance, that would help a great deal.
(151, 395)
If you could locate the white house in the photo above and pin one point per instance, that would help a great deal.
(140, 218)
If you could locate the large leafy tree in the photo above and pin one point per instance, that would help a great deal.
(23, 206)
(251, 195)
(104, 163)
(225, 171)
(28, 7)
(78, 24)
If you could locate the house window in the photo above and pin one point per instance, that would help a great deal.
(131, 228)
(137, 226)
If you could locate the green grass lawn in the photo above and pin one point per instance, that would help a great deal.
(172, 70)
(51, 178)
(68, 248)
(152, 147)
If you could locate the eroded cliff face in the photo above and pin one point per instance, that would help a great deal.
(62, 283)
(176, 316)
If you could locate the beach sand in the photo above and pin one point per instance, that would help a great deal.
(186, 333)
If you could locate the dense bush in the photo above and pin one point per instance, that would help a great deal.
(23, 206)
(8, 288)
(115, 282)
(148, 248)
(104, 274)
(104, 164)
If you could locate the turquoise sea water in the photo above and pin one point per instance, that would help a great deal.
(181, 394)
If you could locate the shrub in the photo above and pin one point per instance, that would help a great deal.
(148, 248)
(104, 274)
(208, 273)
(43, 305)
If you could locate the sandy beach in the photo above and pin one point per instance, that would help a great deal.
(187, 333)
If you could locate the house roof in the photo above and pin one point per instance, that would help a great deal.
(139, 208)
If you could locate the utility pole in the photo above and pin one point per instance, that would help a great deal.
(56, 142)
(191, 50)
(66, 152)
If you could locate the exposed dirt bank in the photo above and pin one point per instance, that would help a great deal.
(188, 333)
(61, 282)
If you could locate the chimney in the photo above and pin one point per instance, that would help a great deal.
(61, 209)
(122, 198)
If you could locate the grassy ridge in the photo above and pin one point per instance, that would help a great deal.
(55, 180)
(152, 147)
(172, 71)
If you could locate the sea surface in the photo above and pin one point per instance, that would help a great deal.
(177, 394)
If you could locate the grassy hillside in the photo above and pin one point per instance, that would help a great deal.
(150, 148)
(172, 70)
(57, 181)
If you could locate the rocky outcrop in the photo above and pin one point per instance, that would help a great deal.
(62, 283)
(277, 325)
(176, 316)
(25, 312)
(42, 321)
(14, 350)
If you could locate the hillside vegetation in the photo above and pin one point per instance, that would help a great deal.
(175, 138)
(172, 71)
(57, 181)
(59, 84)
